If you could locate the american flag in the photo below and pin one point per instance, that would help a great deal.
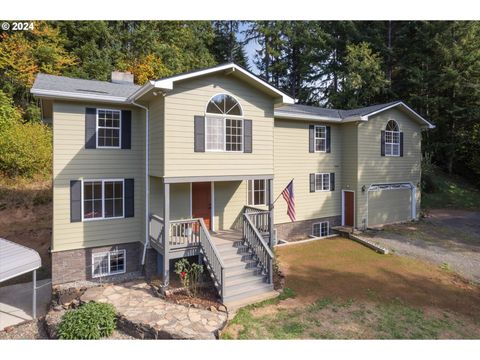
(287, 194)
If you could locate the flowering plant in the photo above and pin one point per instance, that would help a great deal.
(189, 274)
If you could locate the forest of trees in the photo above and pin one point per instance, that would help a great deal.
(433, 66)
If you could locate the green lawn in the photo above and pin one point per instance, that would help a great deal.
(340, 319)
(451, 192)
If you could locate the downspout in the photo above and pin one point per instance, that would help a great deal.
(147, 180)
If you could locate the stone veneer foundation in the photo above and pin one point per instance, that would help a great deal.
(76, 265)
(300, 230)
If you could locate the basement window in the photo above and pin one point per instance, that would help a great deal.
(108, 263)
(320, 229)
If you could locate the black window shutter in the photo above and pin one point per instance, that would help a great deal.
(129, 198)
(312, 182)
(332, 181)
(401, 144)
(328, 139)
(382, 144)
(199, 137)
(311, 138)
(75, 200)
(126, 129)
(90, 128)
(247, 136)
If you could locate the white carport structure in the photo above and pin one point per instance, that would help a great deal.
(15, 260)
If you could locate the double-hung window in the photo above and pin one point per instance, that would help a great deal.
(108, 128)
(103, 199)
(392, 139)
(320, 138)
(257, 191)
(322, 182)
(108, 263)
(224, 124)
(320, 229)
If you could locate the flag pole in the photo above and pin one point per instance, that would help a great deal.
(282, 192)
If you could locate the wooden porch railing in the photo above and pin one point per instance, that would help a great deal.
(262, 251)
(212, 257)
(184, 233)
(259, 217)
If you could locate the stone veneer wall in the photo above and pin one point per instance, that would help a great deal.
(76, 265)
(300, 230)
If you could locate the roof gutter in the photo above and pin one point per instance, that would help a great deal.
(147, 180)
(288, 115)
(77, 96)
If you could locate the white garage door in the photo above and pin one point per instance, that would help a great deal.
(389, 204)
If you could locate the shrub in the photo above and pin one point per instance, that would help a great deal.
(89, 321)
(9, 114)
(189, 274)
(26, 149)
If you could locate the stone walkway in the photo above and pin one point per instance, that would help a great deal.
(143, 315)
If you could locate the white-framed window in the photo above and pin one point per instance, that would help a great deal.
(320, 138)
(392, 139)
(108, 129)
(109, 263)
(223, 124)
(322, 182)
(257, 192)
(103, 199)
(320, 229)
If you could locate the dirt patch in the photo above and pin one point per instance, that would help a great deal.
(340, 268)
(207, 298)
(26, 218)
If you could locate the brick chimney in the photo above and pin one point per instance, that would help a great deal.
(119, 77)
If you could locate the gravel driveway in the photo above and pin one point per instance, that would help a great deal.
(450, 238)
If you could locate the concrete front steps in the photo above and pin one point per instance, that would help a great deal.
(244, 282)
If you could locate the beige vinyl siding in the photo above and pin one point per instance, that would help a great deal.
(156, 196)
(349, 162)
(156, 147)
(71, 161)
(230, 198)
(189, 98)
(293, 160)
(374, 168)
(180, 201)
(388, 206)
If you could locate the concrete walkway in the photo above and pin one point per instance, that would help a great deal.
(16, 302)
(143, 315)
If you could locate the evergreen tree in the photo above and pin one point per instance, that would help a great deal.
(226, 47)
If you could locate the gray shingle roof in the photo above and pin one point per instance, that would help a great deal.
(309, 110)
(46, 82)
(336, 114)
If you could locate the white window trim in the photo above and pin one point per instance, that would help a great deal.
(108, 253)
(224, 117)
(320, 224)
(208, 115)
(392, 143)
(103, 199)
(119, 132)
(315, 138)
(253, 192)
(322, 175)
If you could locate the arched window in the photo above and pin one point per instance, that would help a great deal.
(224, 124)
(392, 139)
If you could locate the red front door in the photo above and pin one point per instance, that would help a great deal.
(348, 207)
(202, 201)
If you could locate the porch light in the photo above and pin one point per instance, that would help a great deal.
(363, 188)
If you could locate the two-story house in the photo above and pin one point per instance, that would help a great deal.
(191, 165)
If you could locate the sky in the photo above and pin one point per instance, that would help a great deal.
(250, 48)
